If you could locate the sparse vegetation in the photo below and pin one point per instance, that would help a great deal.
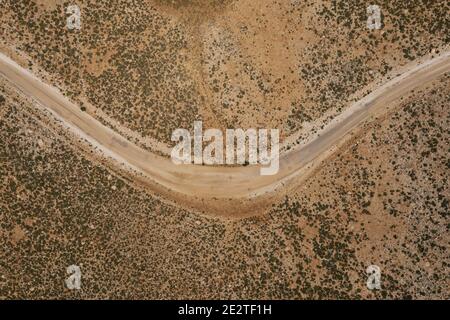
(382, 198)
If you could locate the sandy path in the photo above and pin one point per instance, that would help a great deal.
(207, 181)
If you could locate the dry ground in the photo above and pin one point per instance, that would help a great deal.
(145, 70)
(150, 68)
(382, 200)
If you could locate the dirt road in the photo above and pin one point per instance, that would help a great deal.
(206, 181)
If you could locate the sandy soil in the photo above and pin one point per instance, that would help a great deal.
(203, 183)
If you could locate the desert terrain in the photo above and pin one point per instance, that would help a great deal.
(86, 178)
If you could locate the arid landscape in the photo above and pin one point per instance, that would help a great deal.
(87, 179)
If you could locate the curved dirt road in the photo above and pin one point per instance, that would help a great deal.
(206, 181)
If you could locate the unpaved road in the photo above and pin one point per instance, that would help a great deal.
(207, 181)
